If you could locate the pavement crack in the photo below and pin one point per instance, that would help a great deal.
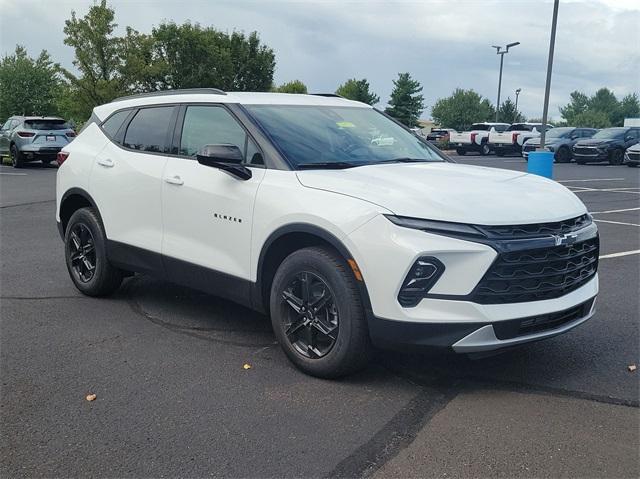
(27, 204)
(43, 297)
(396, 434)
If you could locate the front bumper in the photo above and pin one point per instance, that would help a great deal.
(596, 155)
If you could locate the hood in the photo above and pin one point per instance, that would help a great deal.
(548, 141)
(596, 142)
(452, 192)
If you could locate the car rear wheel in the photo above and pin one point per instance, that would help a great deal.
(616, 157)
(16, 157)
(461, 151)
(317, 314)
(86, 255)
(563, 155)
(485, 149)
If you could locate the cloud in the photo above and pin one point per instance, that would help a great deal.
(442, 44)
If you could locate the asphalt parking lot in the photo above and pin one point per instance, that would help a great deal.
(173, 398)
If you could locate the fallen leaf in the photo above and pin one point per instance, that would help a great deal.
(247, 366)
(91, 397)
(632, 367)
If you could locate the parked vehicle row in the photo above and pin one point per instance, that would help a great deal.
(513, 138)
(34, 138)
(606, 145)
(560, 141)
(476, 139)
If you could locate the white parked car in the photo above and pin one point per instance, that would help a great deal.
(476, 139)
(513, 138)
(284, 203)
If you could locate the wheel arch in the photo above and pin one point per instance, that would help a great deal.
(72, 200)
(289, 238)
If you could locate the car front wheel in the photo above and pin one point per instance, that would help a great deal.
(563, 155)
(485, 149)
(86, 255)
(616, 157)
(317, 314)
(16, 157)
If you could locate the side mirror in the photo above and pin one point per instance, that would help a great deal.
(225, 157)
(629, 138)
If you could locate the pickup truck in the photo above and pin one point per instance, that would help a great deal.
(512, 139)
(477, 139)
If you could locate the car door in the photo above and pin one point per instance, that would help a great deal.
(207, 212)
(126, 182)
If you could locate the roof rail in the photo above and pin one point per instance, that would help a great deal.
(329, 95)
(184, 91)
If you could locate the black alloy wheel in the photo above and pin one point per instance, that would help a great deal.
(563, 155)
(616, 157)
(312, 319)
(16, 157)
(82, 252)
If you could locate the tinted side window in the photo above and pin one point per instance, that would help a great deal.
(114, 122)
(210, 125)
(148, 131)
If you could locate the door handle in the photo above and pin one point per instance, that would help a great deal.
(174, 180)
(106, 162)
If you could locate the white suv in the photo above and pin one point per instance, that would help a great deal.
(290, 205)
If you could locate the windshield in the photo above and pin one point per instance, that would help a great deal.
(559, 132)
(609, 133)
(480, 127)
(323, 136)
(46, 124)
(520, 127)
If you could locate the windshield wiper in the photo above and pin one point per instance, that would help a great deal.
(404, 160)
(328, 165)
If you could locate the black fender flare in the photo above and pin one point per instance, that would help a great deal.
(326, 236)
(77, 192)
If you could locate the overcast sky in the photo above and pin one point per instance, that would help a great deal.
(443, 44)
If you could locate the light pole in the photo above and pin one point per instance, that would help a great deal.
(518, 90)
(501, 52)
(547, 87)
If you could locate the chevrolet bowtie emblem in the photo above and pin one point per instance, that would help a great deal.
(565, 240)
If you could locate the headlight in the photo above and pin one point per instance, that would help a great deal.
(437, 227)
(424, 273)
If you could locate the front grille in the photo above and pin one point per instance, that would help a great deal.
(536, 230)
(633, 156)
(538, 274)
(544, 322)
(585, 151)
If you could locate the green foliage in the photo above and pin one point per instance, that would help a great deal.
(27, 85)
(295, 86)
(507, 112)
(192, 56)
(406, 103)
(461, 109)
(600, 110)
(97, 58)
(358, 90)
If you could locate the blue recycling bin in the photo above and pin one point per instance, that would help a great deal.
(541, 163)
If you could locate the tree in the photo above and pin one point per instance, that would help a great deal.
(192, 56)
(591, 119)
(27, 85)
(406, 103)
(295, 86)
(629, 107)
(461, 109)
(97, 58)
(579, 103)
(507, 112)
(358, 90)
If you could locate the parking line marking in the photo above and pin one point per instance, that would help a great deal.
(14, 174)
(613, 211)
(594, 179)
(606, 190)
(617, 223)
(617, 255)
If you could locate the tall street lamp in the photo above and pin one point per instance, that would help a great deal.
(518, 90)
(501, 52)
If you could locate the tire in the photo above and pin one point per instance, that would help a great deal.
(563, 155)
(16, 157)
(461, 152)
(85, 239)
(499, 152)
(485, 149)
(581, 162)
(298, 327)
(616, 157)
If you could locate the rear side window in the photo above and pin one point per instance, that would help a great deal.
(46, 125)
(148, 131)
(114, 122)
(213, 125)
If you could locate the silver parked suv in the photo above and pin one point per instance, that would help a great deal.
(34, 138)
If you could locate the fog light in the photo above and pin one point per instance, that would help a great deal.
(424, 273)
